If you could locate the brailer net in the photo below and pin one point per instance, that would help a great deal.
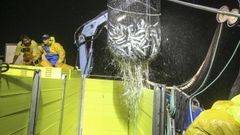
(134, 39)
(134, 28)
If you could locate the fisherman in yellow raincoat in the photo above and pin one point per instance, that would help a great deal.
(53, 52)
(28, 48)
(222, 119)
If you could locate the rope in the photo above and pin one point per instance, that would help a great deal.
(219, 30)
(169, 130)
(203, 90)
(172, 106)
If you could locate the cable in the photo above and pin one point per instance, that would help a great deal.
(203, 90)
(95, 36)
(224, 68)
(172, 102)
(76, 34)
(208, 72)
(211, 63)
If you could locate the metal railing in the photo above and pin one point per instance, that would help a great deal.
(205, 8)
(34, 102)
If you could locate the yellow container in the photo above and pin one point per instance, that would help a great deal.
(104, 111)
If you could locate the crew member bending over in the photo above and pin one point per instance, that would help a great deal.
(28, 48)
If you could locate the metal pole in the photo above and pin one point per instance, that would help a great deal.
(63, 102)
(173, 126)
(156, 111)
(205, 8)
(163, 110)
(34, 103)
(80, 130)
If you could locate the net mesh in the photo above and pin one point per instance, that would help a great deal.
(133, 29)
(134, 38)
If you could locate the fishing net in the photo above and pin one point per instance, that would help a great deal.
(134, 38)
(134, 28)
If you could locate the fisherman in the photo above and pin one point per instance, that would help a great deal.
(53, 52)
(28, 48)
(222, 119)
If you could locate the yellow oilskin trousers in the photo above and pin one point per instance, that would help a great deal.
(45, 63)
(55, 48)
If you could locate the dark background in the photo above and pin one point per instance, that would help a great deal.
(186, 36)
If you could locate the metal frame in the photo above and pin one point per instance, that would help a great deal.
(205, 8)
(156, 111)
(34, 102)
(163, 110)
(80, 130)
(159, 110)
(63, 102)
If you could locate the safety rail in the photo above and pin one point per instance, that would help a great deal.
(35, 95)
(27, 88)
(159, 111)
(34, 102)
(171, 107)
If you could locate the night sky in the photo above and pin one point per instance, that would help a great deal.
(54, 17)
(189, 33)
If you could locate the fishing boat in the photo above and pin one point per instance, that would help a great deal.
(55, 101)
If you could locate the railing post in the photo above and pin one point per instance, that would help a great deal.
(80, 130)
(63, 102)
(156, 111)
(163, 110)
(34, 102)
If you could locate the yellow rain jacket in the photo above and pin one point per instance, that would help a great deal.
(222, 119)
(54, 53)
(29, 52)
